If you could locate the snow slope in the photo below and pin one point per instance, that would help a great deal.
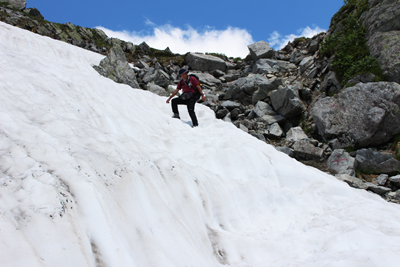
(95, 173)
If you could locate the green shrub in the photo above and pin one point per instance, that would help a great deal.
(348, 44)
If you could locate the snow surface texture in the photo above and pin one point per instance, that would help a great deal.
(95, 173)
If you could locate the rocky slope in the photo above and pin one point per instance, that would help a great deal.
(298, 99)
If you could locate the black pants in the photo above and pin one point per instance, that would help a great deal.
(190, 107)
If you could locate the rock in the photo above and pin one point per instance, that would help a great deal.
(141, 64)
(35, 13)
(243, 88)
(286, 102)
(150, 75)
(154, 88)
(369, 161)
(221, 113)
(261, 49)
(330, 84)
(281, 65)
(263, 108)
(202, 62)
(275, 131)
(162, 78)
(271, 119)
(305, 64)
(285, 150)
(352, 181)
(296, 134)
(382, 179)
(383, 33)
(230, 105)
(258, 136)
(265, 87)
(395, 180)
(218, 73)
(18, 4)
(235, 113)
(207, 79)
(261, 66)
(116, 67)
(304, 150)
(361, 78)
(380, 190)
(368, 113)
(145, 48)
(340, 162)
(341, 142)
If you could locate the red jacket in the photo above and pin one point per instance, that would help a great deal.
(184, 85)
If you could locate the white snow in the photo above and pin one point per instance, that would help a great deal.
(95, 173)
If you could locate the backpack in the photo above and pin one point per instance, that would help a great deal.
(195, 96)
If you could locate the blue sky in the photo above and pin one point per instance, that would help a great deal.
(197, 26)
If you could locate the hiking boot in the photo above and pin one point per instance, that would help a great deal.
(176, 116)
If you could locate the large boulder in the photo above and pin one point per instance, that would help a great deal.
(208, 79)
(368, 113)
(303, 149)
(262, 108)
(296, 134)
(243, 88)
(330, 85)
(341, 162)
(18, 4)
(116, 67)
(286, 101)
(370, 161)
(202, 62)
(382, 25)
(265, 87)
(261, 49)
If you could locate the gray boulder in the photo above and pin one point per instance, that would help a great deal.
(116, 67)
(305, 64)
(361, 78)
(368, 113)
(303, 149)
(265, 87)
(382, 179)
(370, 161)
(285, 150)
(281, 65)
(154, 88)
(161, 78)
(352, 181)
(262, 109)
(208, 79)
(18, 4)
(202, 62)
(286, 102)
(275, 131)
(382, 25)
(243, 88)
(395, 180)
(271, 119)
(296, 134)
(261, 49)
(341, 162)
(330, 85)
(380, 190)
(230, 105)
(261, 66)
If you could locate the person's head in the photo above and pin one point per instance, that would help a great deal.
(183, 73)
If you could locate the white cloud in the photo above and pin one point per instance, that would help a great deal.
(232, 41)
(277, 41)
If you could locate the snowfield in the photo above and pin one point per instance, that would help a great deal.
(95, 173)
